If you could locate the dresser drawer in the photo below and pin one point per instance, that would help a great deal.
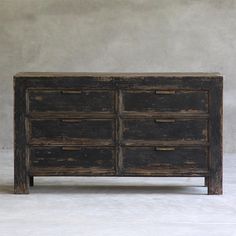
(72, 160)
(70, 100)
(161, 160)
(165, 129)
(165, 101)
(77, 131)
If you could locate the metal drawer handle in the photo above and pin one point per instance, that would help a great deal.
(165, 91)
(165, 120)
(71, 92)
(71, 121)
(165, 149)
(71, 148)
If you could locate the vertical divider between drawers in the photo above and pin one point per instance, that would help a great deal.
(119, 133)
(116, 129)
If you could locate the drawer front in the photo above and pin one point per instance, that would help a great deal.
(165, 129)
(165, 101)
(164, 160)
(70, 101)
(72, 160)
(78, 131)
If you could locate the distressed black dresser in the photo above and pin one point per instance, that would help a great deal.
(96, 124)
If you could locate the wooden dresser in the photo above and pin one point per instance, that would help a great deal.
(100, 124)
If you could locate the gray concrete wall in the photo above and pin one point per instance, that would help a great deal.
(117, 35)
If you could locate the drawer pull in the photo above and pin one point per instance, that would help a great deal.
(165, 91)
(71, 92)
(164, 120)
(71, 148)
(165, 149)
(71, 121)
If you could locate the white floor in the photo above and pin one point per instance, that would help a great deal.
(117, 206)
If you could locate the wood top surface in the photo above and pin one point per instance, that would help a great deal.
(123, 75)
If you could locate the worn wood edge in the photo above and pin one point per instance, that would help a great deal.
(71, 171)
(163, 143)
(100, 115)
(71, 142)
(164, 115)
(169, 173)
(117, 74)
(107, 173)
(54, 115)
(215, 180)
(71, 147)
(21, 164)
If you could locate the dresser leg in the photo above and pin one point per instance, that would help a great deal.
(215, 185)
(21, 177)
(31, 179)
(21, 183)
(206, 180)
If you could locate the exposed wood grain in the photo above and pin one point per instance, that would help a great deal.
(70, 115)
(21, 164)
(215, 137)
(166, 173)
(74, 171)
(119, 132)
(143, 143)
(116, 131)
(81, 142)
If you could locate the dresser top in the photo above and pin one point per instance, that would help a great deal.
(123, 75)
